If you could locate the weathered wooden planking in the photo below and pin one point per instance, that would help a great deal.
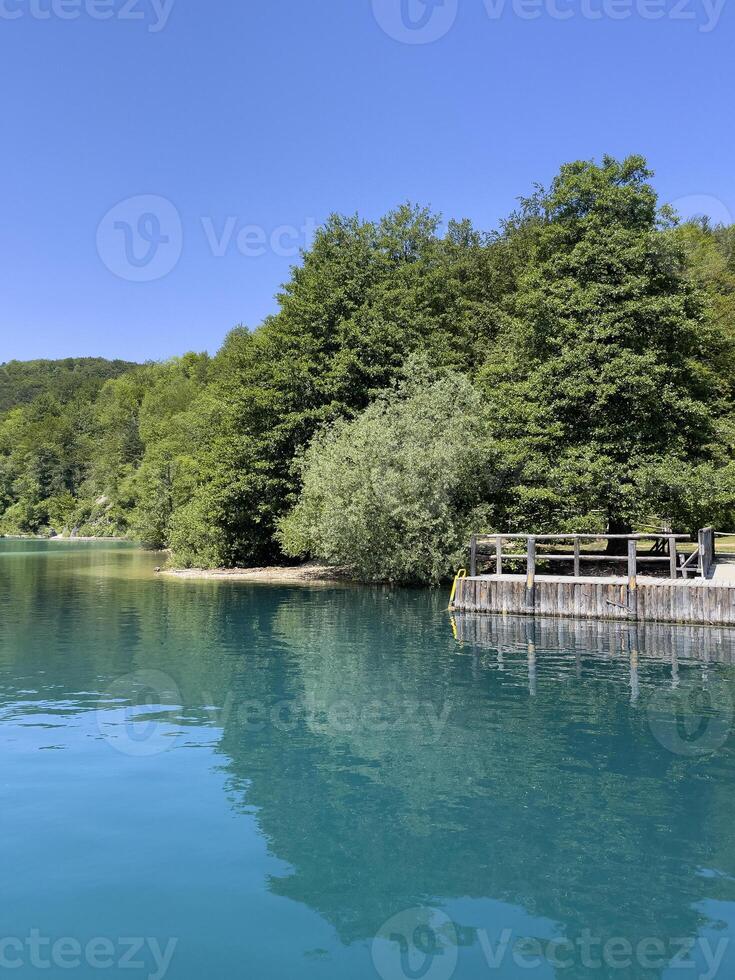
(657, 600)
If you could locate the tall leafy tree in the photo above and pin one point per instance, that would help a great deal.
(601, 381)
(367, 295)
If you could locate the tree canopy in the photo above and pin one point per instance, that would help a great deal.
(573, 369)
(23, 381)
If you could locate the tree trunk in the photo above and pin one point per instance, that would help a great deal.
(617, 546)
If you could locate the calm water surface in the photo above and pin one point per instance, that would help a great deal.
(221, 780)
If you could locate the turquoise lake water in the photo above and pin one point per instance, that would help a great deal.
(219, 780)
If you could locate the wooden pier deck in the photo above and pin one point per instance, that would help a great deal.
(706, 598)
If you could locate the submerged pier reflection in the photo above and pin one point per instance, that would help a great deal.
(609, 640)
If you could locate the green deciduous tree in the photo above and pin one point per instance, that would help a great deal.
(603, 375)
(395, 493)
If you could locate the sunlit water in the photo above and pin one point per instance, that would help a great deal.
(218, 780)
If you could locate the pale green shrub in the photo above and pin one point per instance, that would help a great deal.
(396, 493)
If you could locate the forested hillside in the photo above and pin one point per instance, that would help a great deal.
(574, 368)
(71, 377)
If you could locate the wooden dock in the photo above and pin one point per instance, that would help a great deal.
(691, 592)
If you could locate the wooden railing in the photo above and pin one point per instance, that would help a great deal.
(664, 551)
(708, 553)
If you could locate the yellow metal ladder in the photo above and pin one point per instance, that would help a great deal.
(462, 573)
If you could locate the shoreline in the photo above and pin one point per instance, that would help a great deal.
(308, 574)
(87, 537)
(59, 537)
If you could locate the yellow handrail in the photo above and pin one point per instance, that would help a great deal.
(462, 573)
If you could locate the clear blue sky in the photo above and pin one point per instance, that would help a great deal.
(273, 113)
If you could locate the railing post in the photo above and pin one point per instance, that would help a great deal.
(672, 557)
(706, 551)
(531, 574)
(473, 555)
(632, 582)
(577, 563)
(499, 555)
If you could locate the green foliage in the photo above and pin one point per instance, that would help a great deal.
(21, 382)
(368, 295)
(574, 370)
(396, 493)
(60, 510)
(604, 369)
(116, 463)
(196, 535)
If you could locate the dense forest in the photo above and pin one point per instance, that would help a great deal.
(22, 382)
(573, 369)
